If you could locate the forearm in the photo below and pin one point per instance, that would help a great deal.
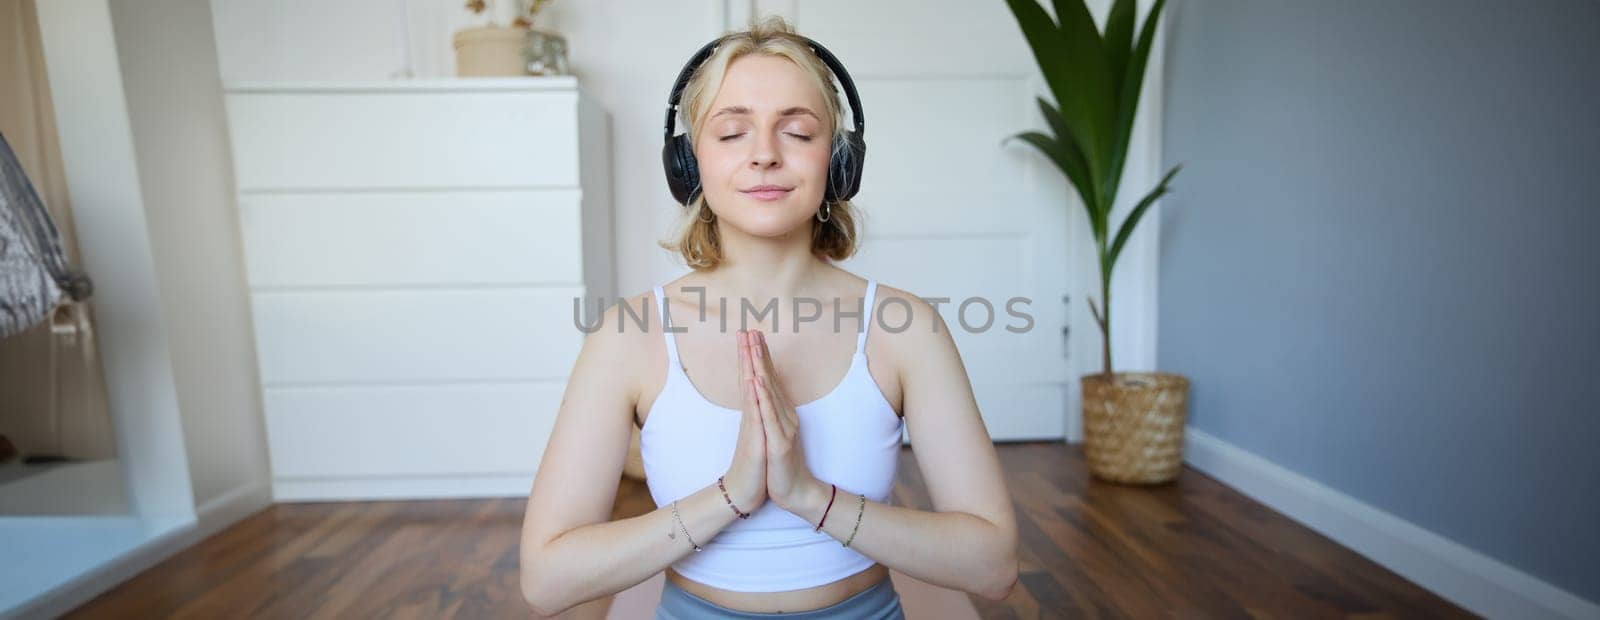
(601, 559)
(950, 549)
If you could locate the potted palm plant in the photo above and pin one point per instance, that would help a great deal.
(1132, 421)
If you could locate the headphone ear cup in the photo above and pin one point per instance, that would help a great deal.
(844, 170)
(683, 176)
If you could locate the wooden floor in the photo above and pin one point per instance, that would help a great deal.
(1089, 549)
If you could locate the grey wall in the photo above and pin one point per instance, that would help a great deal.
(1379, 265)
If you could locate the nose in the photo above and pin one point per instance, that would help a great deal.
(765, 152)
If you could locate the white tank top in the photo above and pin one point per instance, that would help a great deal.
(851, 437)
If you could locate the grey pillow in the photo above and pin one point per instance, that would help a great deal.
(34, 276)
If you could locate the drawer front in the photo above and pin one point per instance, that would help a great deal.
(403, 431)
(412, 238)
(419, 335)
(354, 140)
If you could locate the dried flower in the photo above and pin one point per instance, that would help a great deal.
(533, 8)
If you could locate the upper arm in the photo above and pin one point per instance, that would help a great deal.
(948, 438)
(576, 483)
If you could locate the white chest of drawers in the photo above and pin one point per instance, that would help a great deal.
(414, 250)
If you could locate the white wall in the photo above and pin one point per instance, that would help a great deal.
(98, 153)
(624, 52)
(174, 100)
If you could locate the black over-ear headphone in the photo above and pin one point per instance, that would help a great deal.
(844, 166)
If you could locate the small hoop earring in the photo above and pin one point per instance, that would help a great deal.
(705, 210)
(827, 207)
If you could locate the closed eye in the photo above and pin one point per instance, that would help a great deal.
(802, 137)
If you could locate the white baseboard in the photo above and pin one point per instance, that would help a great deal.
(1479, 583)
(222, 511)
(462, 486)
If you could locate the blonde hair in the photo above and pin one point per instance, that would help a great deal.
(696, 239)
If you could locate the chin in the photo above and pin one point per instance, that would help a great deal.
(773, 224)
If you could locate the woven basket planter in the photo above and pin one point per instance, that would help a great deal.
(1133, 426)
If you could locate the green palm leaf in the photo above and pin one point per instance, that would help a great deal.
(1067, 159)
(1138, 212)
(1080, 173)
(1128, 100)
(1119, 34)
(1090, 77)
(1075, 72)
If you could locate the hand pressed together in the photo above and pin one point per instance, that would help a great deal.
(769, 459)
(788, 477)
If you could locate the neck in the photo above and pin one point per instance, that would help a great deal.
(761, 269)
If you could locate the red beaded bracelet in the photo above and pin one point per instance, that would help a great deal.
(830, 507)
(742, 514)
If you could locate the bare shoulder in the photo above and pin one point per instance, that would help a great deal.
(911, 325)
(910, 346)
(614, 343)
(628, 318)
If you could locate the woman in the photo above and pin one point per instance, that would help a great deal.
(772, 466)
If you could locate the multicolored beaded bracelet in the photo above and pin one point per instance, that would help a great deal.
(742, 514)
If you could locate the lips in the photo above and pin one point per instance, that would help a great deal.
(767, 192)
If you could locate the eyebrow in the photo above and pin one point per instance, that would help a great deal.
(793, 111)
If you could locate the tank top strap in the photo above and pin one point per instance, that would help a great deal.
(661, 311)
(866, 316)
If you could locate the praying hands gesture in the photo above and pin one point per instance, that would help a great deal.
(788, 480)
(788, 477)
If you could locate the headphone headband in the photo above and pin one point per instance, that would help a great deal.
(827, 58)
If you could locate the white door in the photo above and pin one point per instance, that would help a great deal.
(948, 211)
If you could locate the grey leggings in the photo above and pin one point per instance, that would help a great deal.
(879, 602)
